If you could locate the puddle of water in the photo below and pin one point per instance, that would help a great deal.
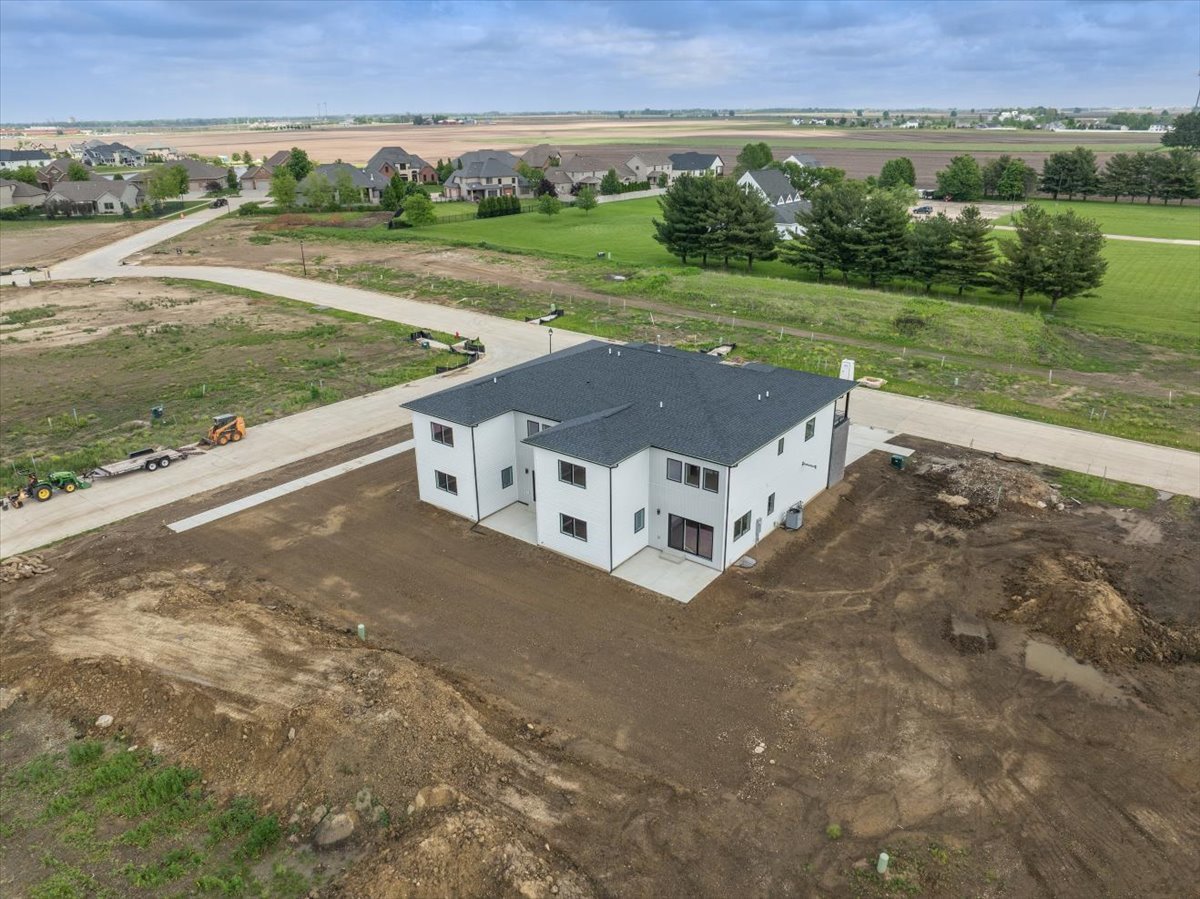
(1054, 664)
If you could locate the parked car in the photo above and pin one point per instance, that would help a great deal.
(923, 210)
(219, 201)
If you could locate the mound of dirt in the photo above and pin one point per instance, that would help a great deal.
(973, 490)
(1072, 599)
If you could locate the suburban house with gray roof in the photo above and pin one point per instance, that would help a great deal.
(692, 163)
(619, 449)
(776, 188)
(96, 197)
(389, 161)
(15, 159)
(370, 183)
(481, 177)
(18, 193)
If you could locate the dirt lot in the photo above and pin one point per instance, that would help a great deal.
(598, 740)
(25, 244)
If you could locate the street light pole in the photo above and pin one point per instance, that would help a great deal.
(551, 334)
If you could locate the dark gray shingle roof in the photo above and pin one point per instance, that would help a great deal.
(27, 156)
(774, 183)
(395, 156)
(607, 400)
(785, 213)
(692, 162)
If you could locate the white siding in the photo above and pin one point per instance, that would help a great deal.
(453, 460)
(525, 455)
(694, 503)
(630, 492)
(590, 504)
(495, 450)
(765, 471)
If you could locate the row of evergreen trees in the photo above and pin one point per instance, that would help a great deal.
(866, 232)
(1170, 175)
(491, 207)
(714, 217)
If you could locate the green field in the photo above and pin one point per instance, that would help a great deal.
(1136, 219)
(1150, 289)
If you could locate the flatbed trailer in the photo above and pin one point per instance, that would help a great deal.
(150, 459)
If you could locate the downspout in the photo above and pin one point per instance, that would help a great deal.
(475, 475)
(610, 523)
(725, 524)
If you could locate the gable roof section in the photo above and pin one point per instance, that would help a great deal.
(88, 191)
(361, 179)
(480, 155)
(540, 155)
(491, 167)
(803, 159)
(278, 158)
(21, 189)
(607, 400)
(785, 213)
(652, 157)
(693, 162)
(773, 183)
(395, 156)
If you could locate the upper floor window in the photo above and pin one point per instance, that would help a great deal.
(570, 473)
(442, 434)
(810, 428)
(779, 447)
(674, 470)
(534, 427)
(712, 480)
(691, 474)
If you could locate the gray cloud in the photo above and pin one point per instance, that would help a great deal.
(106, 59)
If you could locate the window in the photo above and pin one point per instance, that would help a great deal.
(573, 527)
(442, 434)
(810, 428)
(109, 206)
(447, 482)
(741, 526)
(570, 473)
(674, 470)
(639, 520)
(712, 480)
(691, 474)
(689, 536)
(506, 477)
(779, 447)
(770, 503)
(534, 427)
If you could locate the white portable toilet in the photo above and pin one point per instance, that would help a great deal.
(847, 372)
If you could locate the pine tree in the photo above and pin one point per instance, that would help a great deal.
(1072, 261)
(878, 242)
(971, 258)
(1019, 268)
(752, 233)
(1120, 176)
(829, 229)
(928, 247)
(682, 227)
(610, 183)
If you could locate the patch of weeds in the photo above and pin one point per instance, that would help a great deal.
(227, 881)
(833, 832)
(42, 774)
(85, 753)
(152, 791)
(1091, 489)
(384, 820)
(261, 239)
(262, 836)
(25, 316)
(79, 829)
(165, 870)
(67, 882)
(287, 883)
(112, 771)
(233, 821)
(1181, 507)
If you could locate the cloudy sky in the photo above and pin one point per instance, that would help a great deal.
(130, 59)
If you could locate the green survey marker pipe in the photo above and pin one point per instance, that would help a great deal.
(881, 865)
(362, 632)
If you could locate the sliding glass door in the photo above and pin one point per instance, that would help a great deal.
(690, 537)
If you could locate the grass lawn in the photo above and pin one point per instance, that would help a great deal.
(1136, 219)
(1150, 289)
(79, 405)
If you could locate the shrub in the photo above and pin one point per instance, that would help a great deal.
(85, 753)
(834, 831)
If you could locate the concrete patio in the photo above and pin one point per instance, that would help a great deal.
(670, 574)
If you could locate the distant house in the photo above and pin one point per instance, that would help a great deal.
(1159, 128)
(202, 177)
(278, 158)
(592, 169)
(160, 150)
(256, 177)
(697, 164)
(648, 165)
(488, 176)
(389, 161)
(785, 201)
(772, 184)
(803, 159)
(96, 197)
(561, 180)
(111, 154)
(543, 156)
(370, 183)
(911, 123)
(15, 159)
(18, 193)
(480, 155)
(54, 172)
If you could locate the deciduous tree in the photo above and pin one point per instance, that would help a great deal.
(549, 205)
(418, 209)
(610, 183)
(898, 171)
(347, 192)
(26, 174)
(961, 180)
(316, 191)
(586, 200)
(283, 187)
(166, 181)
(753, 157)
(299, 164)
(77, 171)
(231, 181)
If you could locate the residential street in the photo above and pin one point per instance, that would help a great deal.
(508, 343)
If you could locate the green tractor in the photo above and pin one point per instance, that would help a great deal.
(42, 489)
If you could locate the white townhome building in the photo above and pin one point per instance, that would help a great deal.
(619, 448)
